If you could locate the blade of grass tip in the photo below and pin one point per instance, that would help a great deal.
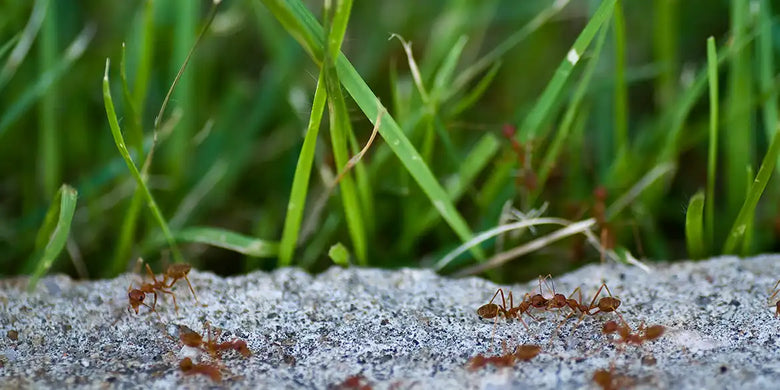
(712, 153)
(553, 152)
(54, 232)
(739, 131)
(42, 84)
(694, 237)
(751, 200)
(621, 86)
(569, 230)
(443, 80)
(766, 68)
(747, 242)
(542, 110)
(300, 186)
(302, 25)
(48, 134)
(339, 254)
(229, 240)
(116, 132)
(413, 69)
(499, 51)
(24, 43)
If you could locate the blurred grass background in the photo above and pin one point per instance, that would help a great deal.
(635, 104)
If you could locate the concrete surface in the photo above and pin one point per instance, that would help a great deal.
(396, 329)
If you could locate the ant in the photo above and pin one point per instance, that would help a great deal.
(774, 294)
(210, 345)
(604, 305)
(627, 336)
(207, 369)
(354, 382)
(523, 352)
(176, 272)
(136, 296)
(609, 380)
(492, 310)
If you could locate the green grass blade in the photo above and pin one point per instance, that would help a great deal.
(303, 26)
(766, 69)
(473, 96)
(747, 241)
(341, 128)
(44, 82)
(499, 51)
(665, 40)
(141, 83)
(300, 186)
(48, 134)
(694, 236)
(553, 152)
(748, 209)
(712, 155)
(543, 107)
(621, 85)
(229, 240)
(738, 131)
(24, 43)
(443, 80)
(54, 232)
(116, 132)
(8, 45)
(339, 254)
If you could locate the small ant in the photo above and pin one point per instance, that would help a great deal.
(492, 310)
(609, 380)
(136, 296)
(210, 345)
(627, 336)
(774, 294)
(354, 382)
(207, 369)
(523, 352)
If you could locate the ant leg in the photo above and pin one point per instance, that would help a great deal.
(175, 305)
(191, 289)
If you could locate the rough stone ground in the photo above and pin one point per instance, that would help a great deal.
(397, 329)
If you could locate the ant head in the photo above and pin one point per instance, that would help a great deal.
(186, 364)
(489, 310)
(136, 296)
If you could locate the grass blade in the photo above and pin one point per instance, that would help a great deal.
(712, 155)
(229, 240)
(694, 216)
(543, 107)
(748, 208)
(621, 86)
(54, 232)
(300, 186)
(48, 138)
(116, 132)
(24, 43)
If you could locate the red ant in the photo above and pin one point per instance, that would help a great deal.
(354, 382)
(627, 336)
(176, 272)
(492, 310)
(774, 294)
(604, 305)
(136, 296)
(609, 380)
(210, 345)
(523, 352)
(210, 370)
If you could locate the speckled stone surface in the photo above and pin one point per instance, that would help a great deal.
(397, 329)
